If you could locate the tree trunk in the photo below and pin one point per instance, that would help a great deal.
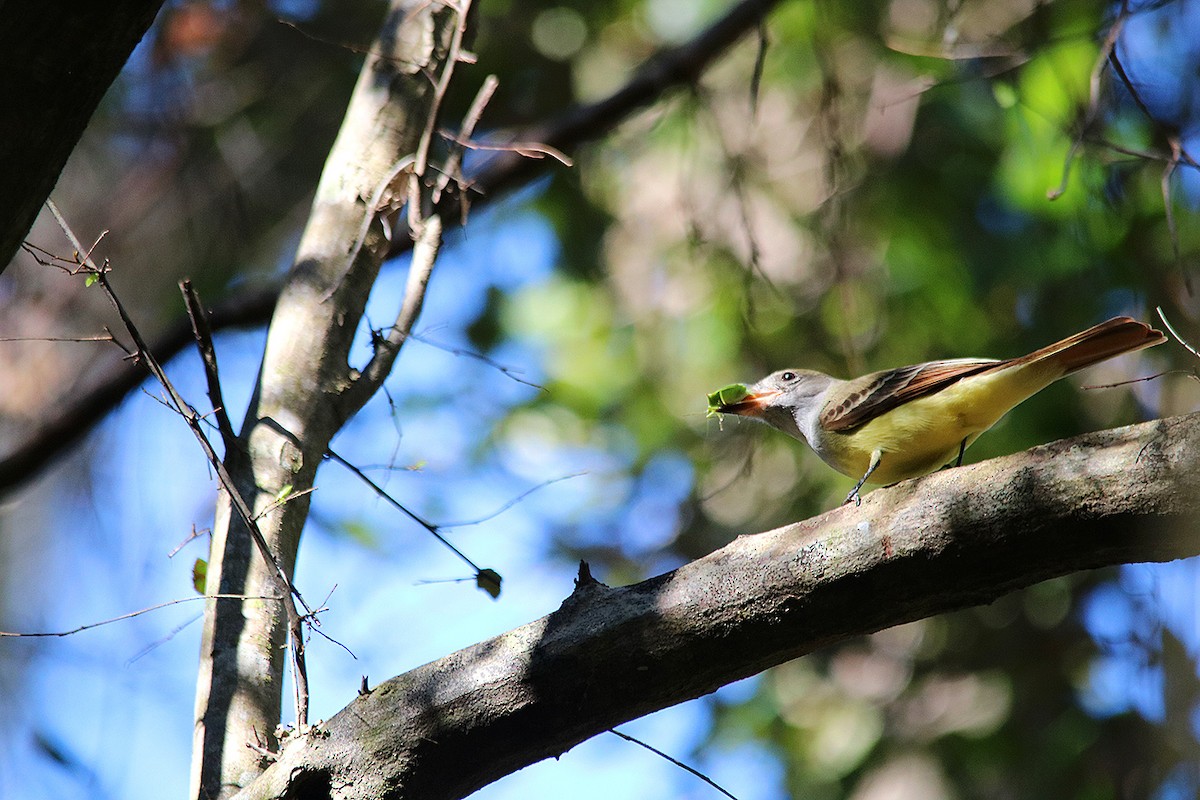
(306, 391)
(57, 65)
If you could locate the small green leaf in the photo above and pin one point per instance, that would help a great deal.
(724, 396)
(1004, 94)
(359, 531)
(489, 581)
(91, 278)
(283, 493)
(200, 575)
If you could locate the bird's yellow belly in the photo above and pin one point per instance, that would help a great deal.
(923, 435)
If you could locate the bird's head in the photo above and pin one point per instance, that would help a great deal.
(783, 399)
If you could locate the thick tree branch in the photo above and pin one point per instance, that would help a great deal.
(56, 67)
(666, 70)
(951, 540)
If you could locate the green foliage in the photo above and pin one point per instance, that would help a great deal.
(712, 240)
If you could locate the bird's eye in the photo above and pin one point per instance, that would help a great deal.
(788, 376)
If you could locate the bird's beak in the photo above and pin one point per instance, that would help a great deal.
(751, 405)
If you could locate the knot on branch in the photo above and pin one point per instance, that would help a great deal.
(586, 587)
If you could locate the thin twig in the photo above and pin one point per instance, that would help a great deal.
(1169, 207)
(160, 641)
(300, 691)
(195, 534)
(426, 233)
(509, 372)
(1133, 152)
(316, 624)
(420, 269)
(132, 614)
(1119, 68)
(1171, 330)
(416, 214)
(1183, 156)
(282, 499)
(452, 169)
(366, 50)
(1140, 380)
(534, 150)
(676, 762)
(394, 503)
(105, 338)
(1093, 110)
(208, 356)
(760, 63)
(506, 506)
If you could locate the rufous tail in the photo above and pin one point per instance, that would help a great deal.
(1112, 338)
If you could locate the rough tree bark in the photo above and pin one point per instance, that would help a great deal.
(953, 539)
(56, 67)
(306, 391)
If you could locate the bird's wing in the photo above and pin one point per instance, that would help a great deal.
(868, 397)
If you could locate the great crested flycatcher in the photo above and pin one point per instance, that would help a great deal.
(905, 422)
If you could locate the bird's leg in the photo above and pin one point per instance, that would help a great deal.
(876, 457)
(962, 448)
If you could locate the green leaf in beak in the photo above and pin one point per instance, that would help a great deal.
(725, 396)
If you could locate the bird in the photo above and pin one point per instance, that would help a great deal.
(889, 426)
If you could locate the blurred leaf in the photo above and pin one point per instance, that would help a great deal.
(200, 576)
(489, 581)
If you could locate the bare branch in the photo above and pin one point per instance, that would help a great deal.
(1171, 328)
(1093, 109)
(674, 761)
(420, 270)
(1144, 379)
(532, 150)
(512, 373)
(307, 388)
(191, 537)
(88, 626)
(434, 530)
(667, 69)
(417, 191)
(108, 337)
(509, 504)
(954, 539)
(208, 356)
(452, 168)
